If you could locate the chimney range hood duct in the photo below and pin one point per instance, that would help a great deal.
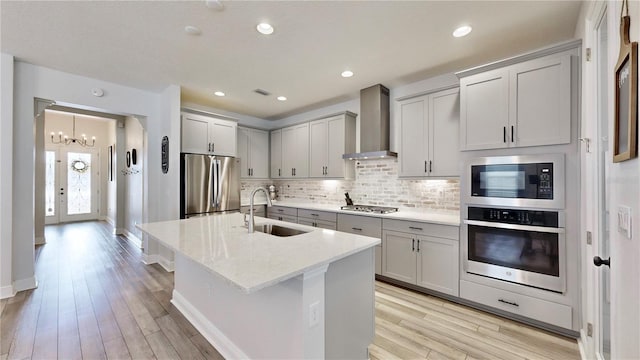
(374, 125)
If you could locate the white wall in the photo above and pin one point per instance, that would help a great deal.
(624, 186)
(134, 186)
(6, 181)
(31, 82)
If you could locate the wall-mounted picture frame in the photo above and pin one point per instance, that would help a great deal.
(128, 159)
(110, 162)
(625, 145)
(164, 154)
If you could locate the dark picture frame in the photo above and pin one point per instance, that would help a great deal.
(625, 145)
(128, 159)
(110, 162)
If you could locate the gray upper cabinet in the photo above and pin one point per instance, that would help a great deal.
(253, 151)
(329, 139)
(429, 132)
(295, 151)
(276, 153)
(208, 135)
(526, 104)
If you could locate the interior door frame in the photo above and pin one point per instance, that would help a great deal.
(591, 334)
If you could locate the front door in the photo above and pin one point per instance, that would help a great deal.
(71, 184)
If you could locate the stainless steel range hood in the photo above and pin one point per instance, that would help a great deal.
(374, 124)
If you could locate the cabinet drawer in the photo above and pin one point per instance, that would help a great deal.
(258, 210)
(331, 225)
(282, 210)
(534, 308)
(291, 219)
(317, 215)
(420, 228)
(361, 225)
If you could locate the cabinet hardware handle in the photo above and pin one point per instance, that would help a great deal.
(508, 302)
(280, 218)
(429, 165)
(280, 210)
(291, 171)
(504, 134)
(249, 172)
(415, 228)
(356, 229)
(209, 147)
(213, 147)
(511, 133)
(315, 215)
(418, 249)
(279, 172)
(425, 166)
(413, 244)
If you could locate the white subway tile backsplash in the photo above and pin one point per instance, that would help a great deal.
(376, 183)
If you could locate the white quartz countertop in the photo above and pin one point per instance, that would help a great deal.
(254, 261)
(451, 218)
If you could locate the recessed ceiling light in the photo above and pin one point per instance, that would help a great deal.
(462, 31)
(192, 30)
(218, 93)
(347, 73)
(264, 28)
(282, 98)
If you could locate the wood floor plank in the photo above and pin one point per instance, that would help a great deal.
(380, 353)
(161, 346)
(205, 347)
(405, 342)
(178, 339)
(395, 348)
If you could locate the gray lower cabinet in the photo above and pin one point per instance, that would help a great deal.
(258, 210)
(283, 213)
(363, 225)
(424, 260)
(315, 218)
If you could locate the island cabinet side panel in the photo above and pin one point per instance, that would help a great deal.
(265, 324)
(350, 306)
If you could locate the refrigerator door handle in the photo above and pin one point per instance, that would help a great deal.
(218, 183)
(214, 181)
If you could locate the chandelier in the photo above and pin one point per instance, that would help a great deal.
(73, 140)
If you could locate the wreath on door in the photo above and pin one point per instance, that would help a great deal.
(79, 166)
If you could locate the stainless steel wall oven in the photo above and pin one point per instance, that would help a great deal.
(517, 245)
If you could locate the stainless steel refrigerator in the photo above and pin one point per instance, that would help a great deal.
(209, 185)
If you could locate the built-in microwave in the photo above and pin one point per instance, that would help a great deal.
(533, 181)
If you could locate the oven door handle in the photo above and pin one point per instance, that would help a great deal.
(515, 226)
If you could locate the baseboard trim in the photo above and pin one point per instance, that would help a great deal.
(168, 266)
(118, 231)
(25, 284)
(582, 342)
(223, 344)
(7, 292)
(133, 239)
(40, 240)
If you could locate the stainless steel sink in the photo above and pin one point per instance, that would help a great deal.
(278, 230)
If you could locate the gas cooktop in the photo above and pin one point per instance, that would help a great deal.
(370, 209)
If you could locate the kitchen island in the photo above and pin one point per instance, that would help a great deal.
(264, 296)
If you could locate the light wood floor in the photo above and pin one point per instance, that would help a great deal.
(96, 300)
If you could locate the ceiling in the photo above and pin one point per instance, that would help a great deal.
(143, 44)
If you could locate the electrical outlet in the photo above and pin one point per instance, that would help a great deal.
(314, 314)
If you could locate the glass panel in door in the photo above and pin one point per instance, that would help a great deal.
(79, 179)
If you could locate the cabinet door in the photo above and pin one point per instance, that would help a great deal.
(295, 151)
(222, 135)
(336, 129)
(276, 154)
(244, 139)
(540, 94)
(195, 135)
(259, 154)
(438, 264)
(398, 256)
(414, 137)
(319, 140)
(484, 110)
(444, 150)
